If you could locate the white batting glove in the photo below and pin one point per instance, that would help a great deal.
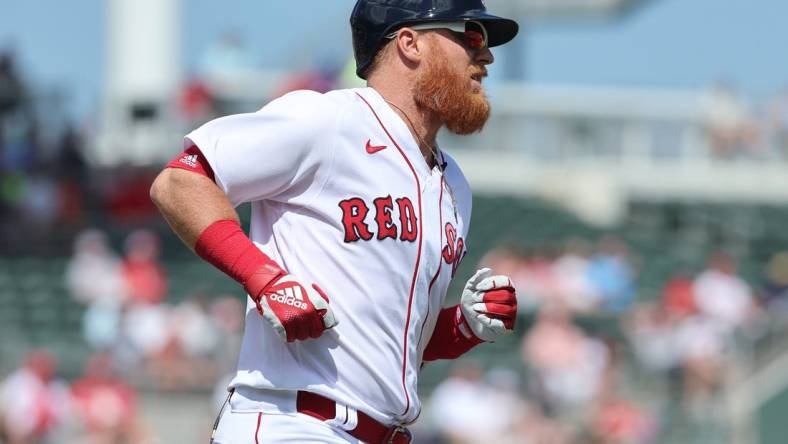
(297, 311)
(489, 306)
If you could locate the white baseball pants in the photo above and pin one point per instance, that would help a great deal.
(275, 428)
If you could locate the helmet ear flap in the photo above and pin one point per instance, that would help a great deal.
(360, 32)
(360, 49)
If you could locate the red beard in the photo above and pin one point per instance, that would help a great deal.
(449, 95)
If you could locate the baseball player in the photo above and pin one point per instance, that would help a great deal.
(358, 225)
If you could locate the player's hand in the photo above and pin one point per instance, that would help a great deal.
(295, 309)
(489, 305)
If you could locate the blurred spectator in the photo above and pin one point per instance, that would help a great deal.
(73, 172)
(101, 323)
(196, 102)
(187, 361)
(71, 161)
(650, 329)
(450, 404)
(617, 420)
(12, 94)
(227, 316)
(127, 197)
(534, 427)
(33, 405)
(40, 189)
(531, 271)
(571, 269)
(504, 406)
(775, 291)
(105, 406)
(777, 123)
(40, 204)
(173, 348)
(93, 277)
(610, 272)
(688, 348)
(322, 78)
(467, 410)
(193, 328)
(702, 343)
(678, 296)
(145, 278)
(567, 364)
(728, 121)
(17, 123)
(540, 275)
(722, 295)
(12, 90)
(146, 331)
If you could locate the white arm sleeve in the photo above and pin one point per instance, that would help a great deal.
(281, 151)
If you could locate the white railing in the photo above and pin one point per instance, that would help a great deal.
(554, 123)
(593, 149)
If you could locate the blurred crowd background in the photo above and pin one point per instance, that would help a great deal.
(643, 226)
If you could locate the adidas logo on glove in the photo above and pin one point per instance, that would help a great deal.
(288, 297)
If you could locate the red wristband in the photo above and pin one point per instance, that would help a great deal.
(448, 341)
(226, 247)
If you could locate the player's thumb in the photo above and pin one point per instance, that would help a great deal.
(322, 307)
(479, 276)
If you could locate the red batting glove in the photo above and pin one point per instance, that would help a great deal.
(488, 306)
(297, 311)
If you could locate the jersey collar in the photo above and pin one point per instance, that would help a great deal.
(399, 131)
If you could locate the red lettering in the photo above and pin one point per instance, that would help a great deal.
(448, 250)
(460, 255)
(453, 251)
(383, 207)
(407, 218)
(354, 210)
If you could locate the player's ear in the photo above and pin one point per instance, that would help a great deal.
(410, 45)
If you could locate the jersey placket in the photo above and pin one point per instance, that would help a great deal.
(435, 193)
(429, 278)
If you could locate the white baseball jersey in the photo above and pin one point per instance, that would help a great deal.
(341, 196)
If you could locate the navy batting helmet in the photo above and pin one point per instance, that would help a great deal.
(372, 20)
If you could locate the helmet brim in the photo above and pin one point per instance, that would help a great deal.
(499, 30)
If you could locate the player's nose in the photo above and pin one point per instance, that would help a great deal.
(484, 57)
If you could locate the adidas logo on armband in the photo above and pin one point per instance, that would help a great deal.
(190, 160)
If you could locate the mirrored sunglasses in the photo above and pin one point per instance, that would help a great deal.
(472, 33)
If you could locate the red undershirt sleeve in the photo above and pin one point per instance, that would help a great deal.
(448, 341)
